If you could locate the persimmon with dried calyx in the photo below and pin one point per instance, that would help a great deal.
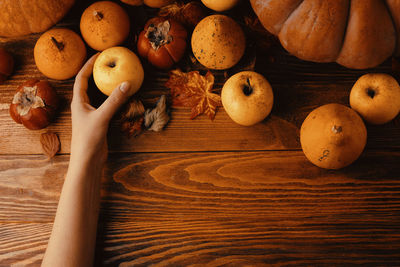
(34, 105)
(59, 53)
(333, 136)
(162, 42)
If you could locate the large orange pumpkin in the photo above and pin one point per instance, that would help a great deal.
(357, 34)
(30, 16)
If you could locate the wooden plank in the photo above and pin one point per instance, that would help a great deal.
(178, 209)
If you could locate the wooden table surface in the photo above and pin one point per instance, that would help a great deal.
(209, 193)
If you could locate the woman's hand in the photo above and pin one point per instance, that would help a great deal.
(73, 238)
(90, 125)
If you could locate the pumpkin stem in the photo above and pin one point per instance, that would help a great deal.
(98, 15)
(247, 89)
(59, 45)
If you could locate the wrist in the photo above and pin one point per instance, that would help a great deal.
(85, 165)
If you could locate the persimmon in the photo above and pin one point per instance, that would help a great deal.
(162, 42)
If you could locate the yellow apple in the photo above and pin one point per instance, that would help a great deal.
(116, 65)
(376, 97)
(220, 5)
(247, 97)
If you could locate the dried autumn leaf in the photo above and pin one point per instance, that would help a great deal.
(188, 14)
(258, 34)
(155, 119)
(132, 128)
(132, 118)
(194, 90)
(50, 143)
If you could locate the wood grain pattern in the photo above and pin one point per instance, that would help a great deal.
(209, 193)
(247, 208)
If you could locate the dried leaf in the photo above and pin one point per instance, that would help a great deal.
(263, 39)
(157, 118)
(50, 143)
(188, 14)
(132, 118)
(194, 90)
(132, 128)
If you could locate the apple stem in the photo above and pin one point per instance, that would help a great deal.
(59, 45)
(98, 15)
(247, 89)
(371, 93)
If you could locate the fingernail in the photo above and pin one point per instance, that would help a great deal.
(124, 87)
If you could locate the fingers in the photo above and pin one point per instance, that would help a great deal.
(81, 80)
(114, 101)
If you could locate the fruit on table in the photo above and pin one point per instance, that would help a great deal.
(218, 42)
(247, 97)
(6, 65)
(333, 136)
(220, 5)
(116, 65)
(59, 53)
(34, 105)
(357, 34)
(162, 42)
(31, 16)
(376, 97)
(104, 24)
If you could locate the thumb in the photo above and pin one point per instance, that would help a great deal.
(115, 100)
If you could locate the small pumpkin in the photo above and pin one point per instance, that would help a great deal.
(357, 34)
(31, 16)
(333, 136)
(162, 42)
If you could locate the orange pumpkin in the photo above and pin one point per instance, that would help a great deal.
(31, 16)
(357, 34)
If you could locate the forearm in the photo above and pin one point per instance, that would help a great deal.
(73, 237)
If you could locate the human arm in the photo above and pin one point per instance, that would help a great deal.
(73, 237)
